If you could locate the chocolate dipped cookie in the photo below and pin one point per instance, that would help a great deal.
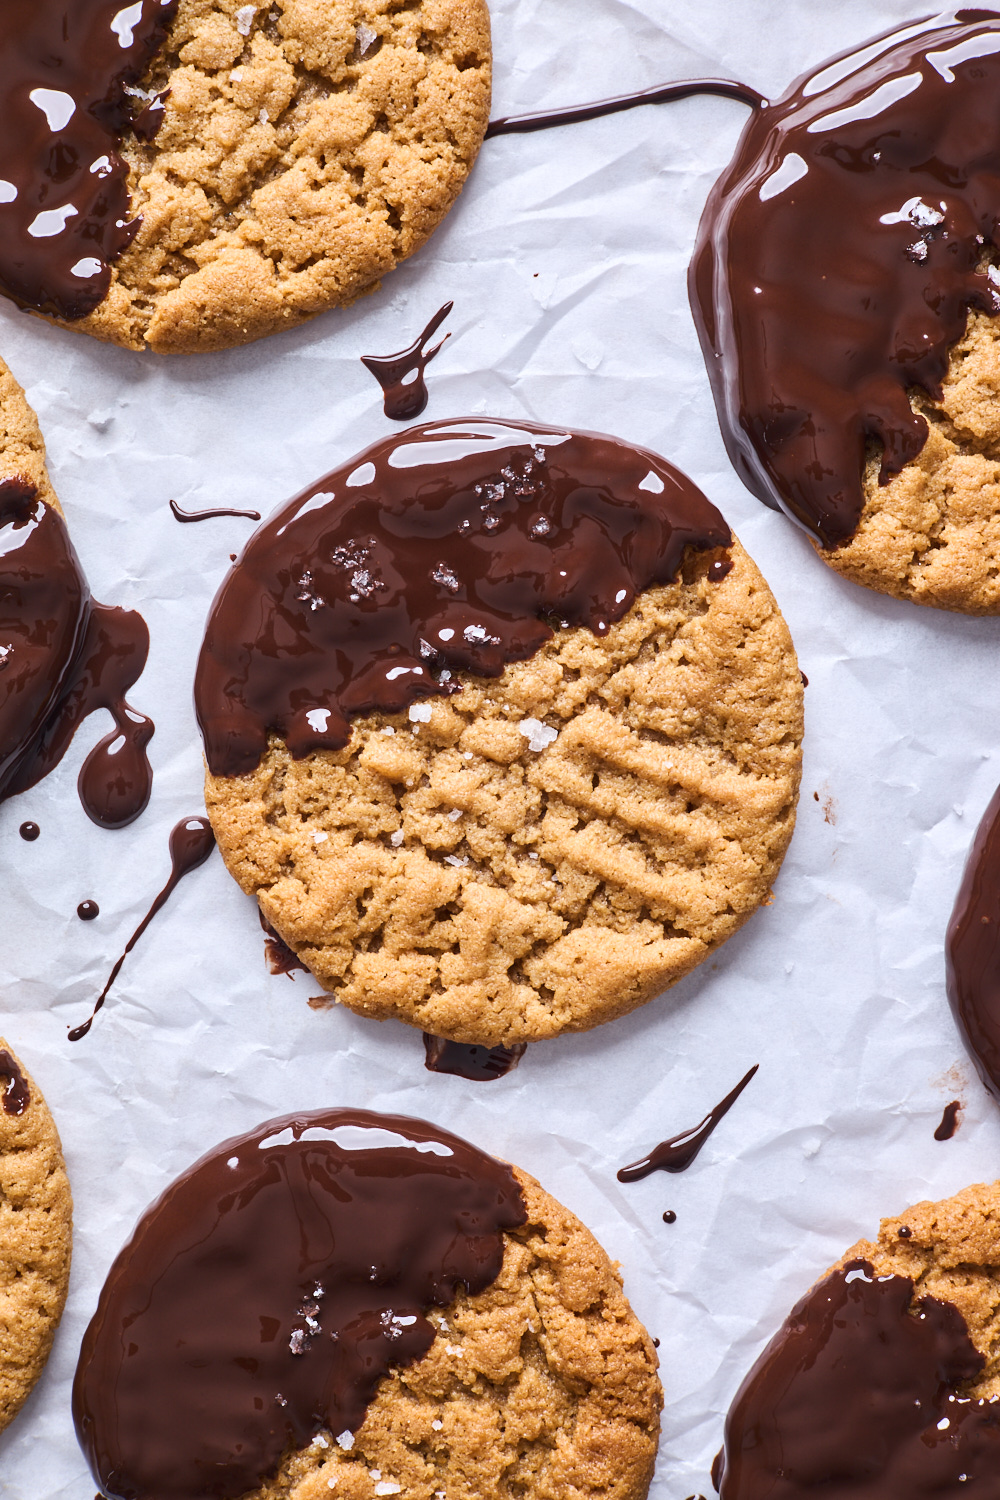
(367, 1305)
(184, 175)
(62, 655)
(502, 727)
(846, 294)
(36, 1233)
(885, 1378)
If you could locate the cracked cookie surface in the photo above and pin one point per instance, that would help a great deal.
(548, 850)
(932, 534)
(36, 1210)
(307, 147)
(541, 1387)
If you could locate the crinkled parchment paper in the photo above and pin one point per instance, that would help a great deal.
(566, 259)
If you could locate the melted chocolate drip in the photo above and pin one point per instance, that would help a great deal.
(29, 832)
(65, 72)
(666, 93)
(191, 842)
(211, 515)
(401, 376)
(838, 257)
(16, 1096)
(949, 1121)
(677, 1154)
(861, 1394)
(280, 958)
(268, 1291)
(62, 656)
(456, 546)
(467, 1060)
(88, 910)
(972, 950)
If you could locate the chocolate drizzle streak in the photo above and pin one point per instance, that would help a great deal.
(972, 950)
(666, 93)
(62, 656)
(16, 1096)
(949, 1121)
(271, 1287)
(29, 832)
(677, 1154)
(65, 72)
(862, 1394)
(191, 842)
(467, 1060)
(401, 376)
(457, 546)
(187, 516)
(838, 257)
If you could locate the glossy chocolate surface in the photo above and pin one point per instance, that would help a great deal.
(467, 1060)
(401, 375)
(458, 546)
(65, 72)
(862, 1394)
(87, 911)
(838, 257)
(972, 950)
(677, 1154)
(667, 93)
(63, 655)
(29, 832)
(949, 1121)
(191, 842)
(16, 1095)
(268, 1291)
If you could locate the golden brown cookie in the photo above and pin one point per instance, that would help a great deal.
(36, 1212)
(932, 534)
(543, 1386)
(22, 449)
(307, 147)
(550, 849)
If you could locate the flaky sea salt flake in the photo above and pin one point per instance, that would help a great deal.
(346, 1441)
(244, 19)
(538, 735)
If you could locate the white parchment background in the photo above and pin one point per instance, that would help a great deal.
(566, 260)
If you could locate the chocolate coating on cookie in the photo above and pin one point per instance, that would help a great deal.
(861, 1393)
(65, 72)
(16, 1096)
(62, 655)
(972, 950)
(267, 1292)
(455, 546)
(838, 257)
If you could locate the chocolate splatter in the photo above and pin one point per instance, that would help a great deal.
(280, 958)
(211, 515)
(191, 842)
(949, 1121)
(666, 93)
(401, 375)
(677, 1154)
(88, 910)
(29, 832)
(467, 1060)
(670, 1217)
(269, 1290)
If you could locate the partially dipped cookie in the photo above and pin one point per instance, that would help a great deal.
(185, 175)
(883, 1381)
(503, 729)
(845, 290)
(365, 1304)
(62, 655)
(36, 1233)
